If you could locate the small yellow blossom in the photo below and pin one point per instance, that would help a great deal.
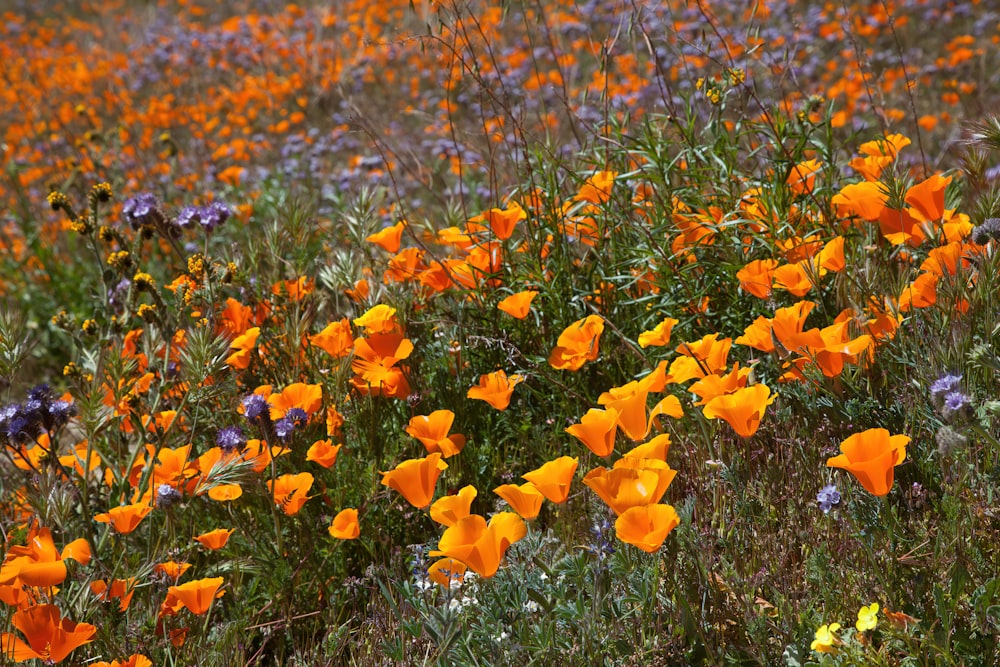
(826, 638)
(867, 617)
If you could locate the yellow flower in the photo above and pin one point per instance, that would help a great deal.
(825, 638)
(867, 617)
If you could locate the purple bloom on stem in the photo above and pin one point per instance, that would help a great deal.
(254, 406)
(827, 497)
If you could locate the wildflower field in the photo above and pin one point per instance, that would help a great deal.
(539, 332)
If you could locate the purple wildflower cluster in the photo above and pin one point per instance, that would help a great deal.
(41, 412)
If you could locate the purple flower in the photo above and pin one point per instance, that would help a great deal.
(254, 406)
(142, 209)
(166, 495)
(284, 427)
(955, 401)
(946, 383)
(230, 438)
(827, 497)
(189, 216)
(214, 215)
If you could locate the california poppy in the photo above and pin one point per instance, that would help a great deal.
(389, 237)
(553, 478)
(757, 276)
(447, 510)
(495, 388)
(447, 571)
(126, 518)
(379, 319)
(518, 305)
(134, 660)
(432, 431)
(871, 456)
(525, 499)
(196, 596)
(577, 344)
(290, 491)
(306, 397)
(625, 487)
(323, 452)
(244, 344)
(215, 539)
(416, 478)
(503, 220)
(335, 339)
(345, 525)
(646, 526)
(597, 430)
(118, 589)
(38, 563)
(50, 637)
(743, 409)
(479, 545)
(172, 569)
(659, 335)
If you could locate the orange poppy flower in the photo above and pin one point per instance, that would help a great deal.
(225, 492)
(244, 344)
(416, 479)
(196, 596)
(659, 335)
(375, 359)
(37, 563)
(323, 452)
(625, 487)
(432, 431)
(503, 220)
(518, 305)
(388, 238)
(646, 526)
(296, 289)
(871, 456)
(307, 397)
(629, 401)
(803, 176)
(700, 358)
(335, 339)
(657, 448)
(447, 510)
(866, 200)
(215, 539)
(447, 571)
(50, 637)
(120, 589)
(553, 478)
(345, 525)
(742, 409)
(379, 319)
(757, 276)
(597, 188)
(172, 569)
(926, 198)
(920, 293)
(495, 388)
(578, 344)
(597, 430)
(290, 491)
(714, 385)
(126, 518)
(134, 660)
(525, 499)
(480, 546)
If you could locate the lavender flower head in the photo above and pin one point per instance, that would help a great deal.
(254, 407)
(214, 215)
(943, 385)
(827, 498)
(230, 439)
(284, 427)
(166, 495)
(142, 209)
